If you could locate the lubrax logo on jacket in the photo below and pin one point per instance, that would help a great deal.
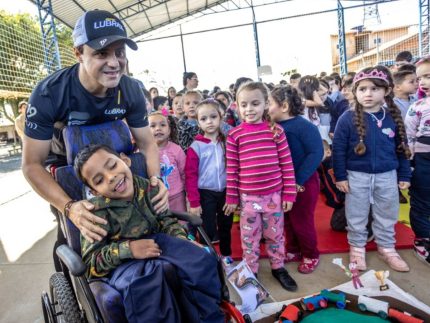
(118, 111)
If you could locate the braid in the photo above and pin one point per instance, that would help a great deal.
(273, 125)
(360, 148)
(402, 148)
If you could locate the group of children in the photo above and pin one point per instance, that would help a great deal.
(265, 165)
(251, 167)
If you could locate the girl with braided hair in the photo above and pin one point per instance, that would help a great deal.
(370, 159)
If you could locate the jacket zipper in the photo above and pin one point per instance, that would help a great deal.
(218, 167)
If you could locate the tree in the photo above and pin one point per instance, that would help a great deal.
(22, 63)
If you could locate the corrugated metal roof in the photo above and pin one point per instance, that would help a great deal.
(139, 16)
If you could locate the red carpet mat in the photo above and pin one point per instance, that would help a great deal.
(329, 241)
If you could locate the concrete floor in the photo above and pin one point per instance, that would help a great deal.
(328, 275)
(27, 234)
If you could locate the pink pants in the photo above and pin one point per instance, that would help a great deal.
(262, 215)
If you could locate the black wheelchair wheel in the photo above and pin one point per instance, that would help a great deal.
(48, 311)
(63, 299)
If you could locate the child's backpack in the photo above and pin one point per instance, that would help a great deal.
(334, 198)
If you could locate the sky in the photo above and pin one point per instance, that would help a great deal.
(220, 57)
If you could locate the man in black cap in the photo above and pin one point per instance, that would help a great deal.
(94, 90)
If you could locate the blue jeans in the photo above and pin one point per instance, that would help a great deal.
(419, 213)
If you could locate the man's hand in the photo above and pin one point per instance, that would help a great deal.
(229, 208)
(343, 186)
(197, 211)
(287, 206)
(404, 185)
(144, 248)
(161, 200)
(81, 216)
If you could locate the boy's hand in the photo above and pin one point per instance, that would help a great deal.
(144, 248)
(287, 206)
(229, 208)
(81, 216)
(404, 185)
(161, 200)
(197, 211)
(343, 186)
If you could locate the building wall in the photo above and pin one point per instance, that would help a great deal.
(368, 40)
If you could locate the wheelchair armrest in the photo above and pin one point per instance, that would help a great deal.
(72, 260)
(194, 220)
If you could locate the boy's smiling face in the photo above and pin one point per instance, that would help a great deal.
(109, 175)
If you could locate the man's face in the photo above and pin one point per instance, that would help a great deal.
(102, 69)
(193, 82)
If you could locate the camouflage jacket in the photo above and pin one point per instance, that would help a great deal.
(126, 221)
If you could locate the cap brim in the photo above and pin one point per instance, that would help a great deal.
(103, 42)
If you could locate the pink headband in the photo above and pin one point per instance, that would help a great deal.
(373, 74)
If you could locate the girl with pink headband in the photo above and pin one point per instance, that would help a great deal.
(370, 161)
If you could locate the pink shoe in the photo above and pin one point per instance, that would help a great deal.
(308, 265)
(393, 259)
(358, 255)
(293, 257)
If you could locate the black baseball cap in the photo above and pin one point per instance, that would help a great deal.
(98, 29)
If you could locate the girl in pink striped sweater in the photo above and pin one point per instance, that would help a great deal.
(260, 175)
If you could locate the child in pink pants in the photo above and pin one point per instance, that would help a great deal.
(260, 174)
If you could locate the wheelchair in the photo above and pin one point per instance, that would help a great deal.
(71, 297)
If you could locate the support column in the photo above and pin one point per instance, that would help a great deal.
(341, 39)
(423, 36)
(52, 60)
(183, 50)
(257, 48)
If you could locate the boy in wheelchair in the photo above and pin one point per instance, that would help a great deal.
(130, 257)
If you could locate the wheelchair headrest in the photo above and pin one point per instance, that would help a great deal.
(114, 134)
